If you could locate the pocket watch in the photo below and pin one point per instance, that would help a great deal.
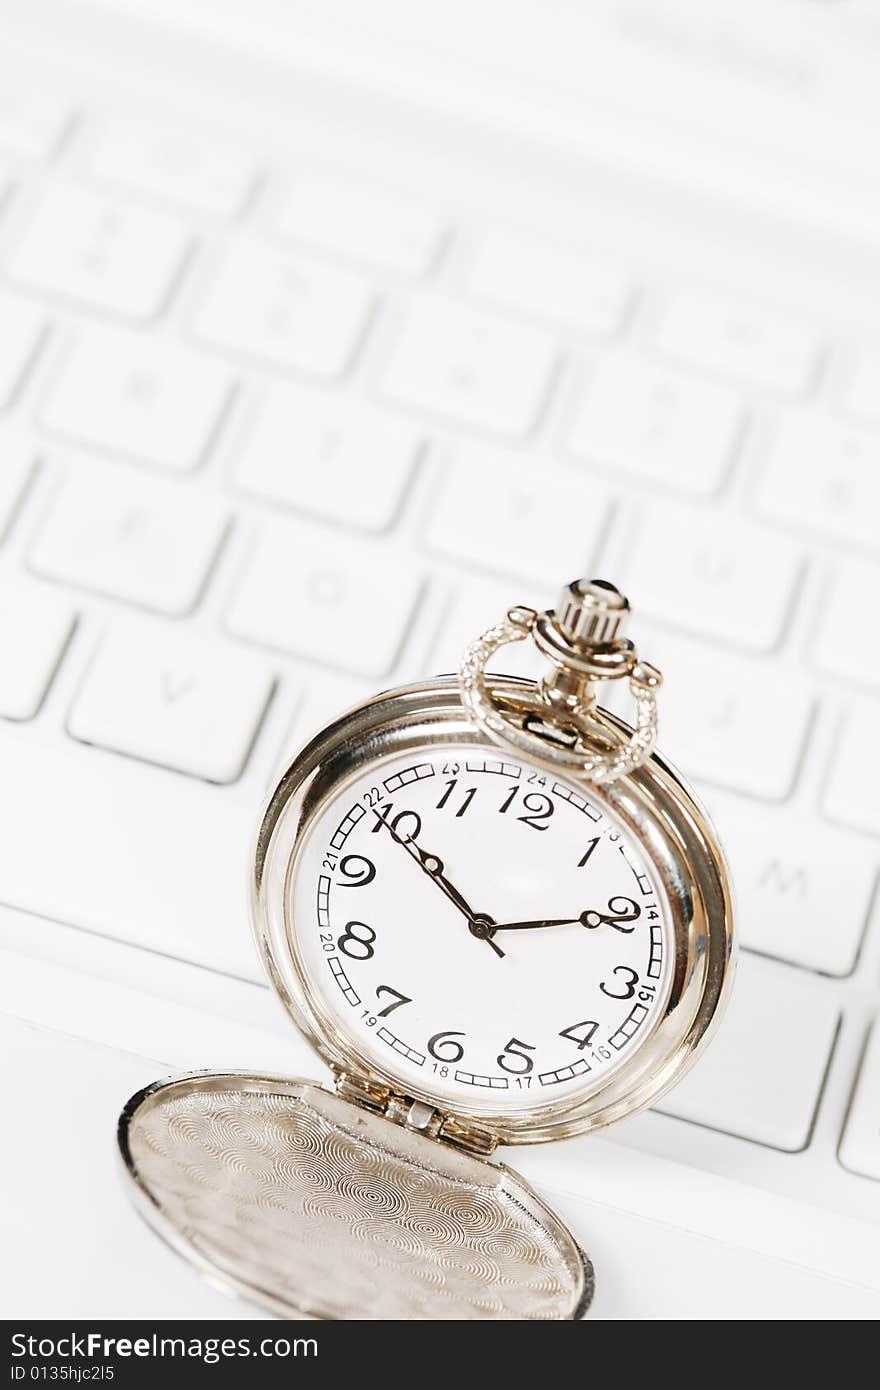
(500, 917)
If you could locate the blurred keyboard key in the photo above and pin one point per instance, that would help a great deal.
(32, 120)
(735, 721)
(346, 462)
(803, 890)
(326, 695)
(95, 827)
(16, 468)
(35, 627)
(656, 424)
(170, 162)
(719, 333)
(363, 221)
(21, 328)
(860, 1143)
(861, 396)
(853, 591)
(851, 796)
(762, 1075)
(173, 699)
(824, 476)
(492, 513)
(713, 575)
(99, 251)
(585, 291)
(152, 544)
(480, 604)
(148, 400)
(471, 367)
(285, 309)
(344, 603)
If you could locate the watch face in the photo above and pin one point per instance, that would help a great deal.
(482, 933)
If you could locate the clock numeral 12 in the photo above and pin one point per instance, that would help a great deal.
(538, 808)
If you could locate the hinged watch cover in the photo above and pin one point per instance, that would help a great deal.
(312, 1207)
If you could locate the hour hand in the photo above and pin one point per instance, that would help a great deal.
(621, 911)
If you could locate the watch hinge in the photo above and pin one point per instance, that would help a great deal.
(415, 1114)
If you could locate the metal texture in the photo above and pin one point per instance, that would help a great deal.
(582, 640)
(315, 1208)
(652, 802)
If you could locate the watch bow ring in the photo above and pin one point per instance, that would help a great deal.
(582, 638)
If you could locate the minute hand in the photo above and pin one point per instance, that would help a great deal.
(432, 865)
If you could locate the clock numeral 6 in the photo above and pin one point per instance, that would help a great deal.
(514, 1059)
(628, 978)
(356, 941)
(452, 1051)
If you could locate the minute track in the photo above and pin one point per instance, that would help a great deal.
(541, 981)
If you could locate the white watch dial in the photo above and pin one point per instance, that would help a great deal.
(481, 932)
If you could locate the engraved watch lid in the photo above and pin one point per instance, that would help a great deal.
(312, 1207)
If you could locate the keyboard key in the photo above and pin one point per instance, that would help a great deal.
(35, 627)
(656, 424)
(376, 225)
(152, 544)
(854, 591)
(21, 328)
(169, 162)
(720, 333)
(172, 699)
(32, 120)
(854, 776)
(343, 603)
(734, 721)
(493, 514)
(762, 1075)
(457, 362)
(803, 890)
(16, 470)
(708, 574)
(326, 696)
(184, 898)
(860, 1143)
(99, 251)
(588, 292)
(824, 476)
(151, 401)
(348, 463)
(861, 398)
(287, 310)
(478, 605)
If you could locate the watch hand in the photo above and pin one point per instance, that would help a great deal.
(590, 918)
(480, 924)
(527, 926)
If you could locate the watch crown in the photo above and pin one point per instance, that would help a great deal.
(591, 612)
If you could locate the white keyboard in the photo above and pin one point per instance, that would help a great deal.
(241, 400)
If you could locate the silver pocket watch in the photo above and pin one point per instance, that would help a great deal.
(500, 918)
